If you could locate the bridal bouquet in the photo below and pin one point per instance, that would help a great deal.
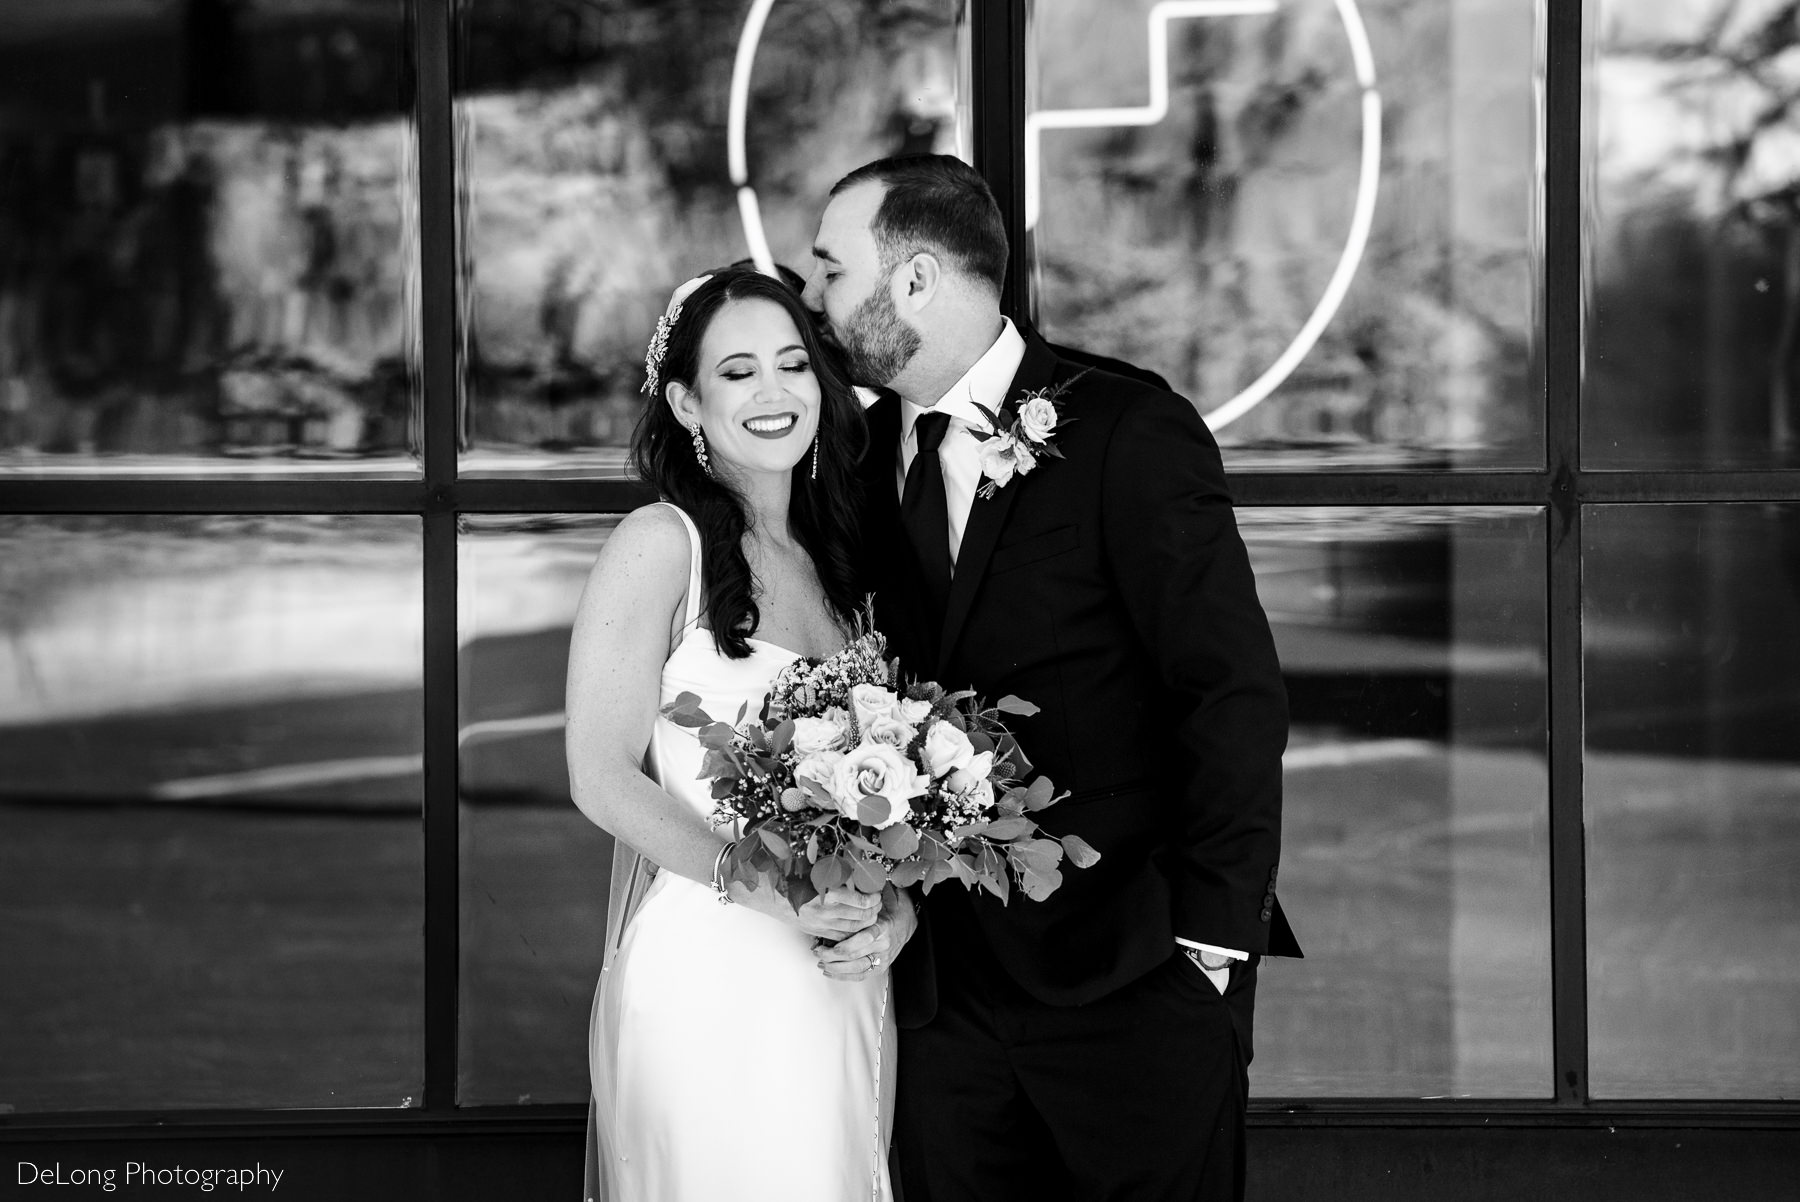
(851, 777)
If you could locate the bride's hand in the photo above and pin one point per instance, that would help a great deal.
(875, 947)
(829, 916)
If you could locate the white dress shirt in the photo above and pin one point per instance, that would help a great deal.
(986, 383)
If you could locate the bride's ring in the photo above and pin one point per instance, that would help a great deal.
(874, 961)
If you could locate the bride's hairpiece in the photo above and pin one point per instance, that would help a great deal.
(659, 341)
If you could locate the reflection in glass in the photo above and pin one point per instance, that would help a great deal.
(1693, 237)
(1202, 245)
(596, 139)
(1415, 850)
(1691, 629)
(208, 251)
(210, 781)
(534, 869)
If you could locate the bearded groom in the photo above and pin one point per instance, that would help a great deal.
(1083, 556)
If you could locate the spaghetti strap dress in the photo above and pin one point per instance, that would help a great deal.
(724, 1064)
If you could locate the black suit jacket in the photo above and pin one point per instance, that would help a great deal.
(1111, 589)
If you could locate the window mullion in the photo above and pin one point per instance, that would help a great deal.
(1563, 315)
(437, 302)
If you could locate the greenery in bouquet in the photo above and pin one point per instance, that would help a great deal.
(852, 777)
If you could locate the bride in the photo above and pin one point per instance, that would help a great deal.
(728, 1059)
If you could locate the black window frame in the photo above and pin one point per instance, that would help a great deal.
(1562, 487)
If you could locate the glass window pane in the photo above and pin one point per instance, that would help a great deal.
(597, 157)
(535, 871)
(210, 776)
(208, 238)
(1415, 852)
(1691, 635)
(1213, 229)
(1692, 240)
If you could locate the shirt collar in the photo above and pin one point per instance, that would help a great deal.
(984, 383)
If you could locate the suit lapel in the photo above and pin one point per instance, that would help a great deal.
(988, 517)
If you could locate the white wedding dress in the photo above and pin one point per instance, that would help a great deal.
(725, 1065)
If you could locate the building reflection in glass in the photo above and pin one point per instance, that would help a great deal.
(208, 239)
(211, 862)
(1691, 632)
(1415, 861)
(594, 149)
(535, 871)
(1693, 238)
(1202, 244)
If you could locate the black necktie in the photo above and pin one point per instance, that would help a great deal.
(926, 514)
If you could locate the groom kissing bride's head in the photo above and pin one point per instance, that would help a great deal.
(910, 257)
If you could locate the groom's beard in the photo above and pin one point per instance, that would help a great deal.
(877, 345)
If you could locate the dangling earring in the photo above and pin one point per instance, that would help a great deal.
(700, 449)
(815, 467)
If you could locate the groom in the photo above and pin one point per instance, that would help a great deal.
(1094, 1044)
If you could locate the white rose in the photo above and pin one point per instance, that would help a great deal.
(821, 770)
(997, 462)
(871, 702)
(976, 771)
(876, 768)
(889, 730)
(1037, 417)
(914, 711)
(812, 735)
(947, 749)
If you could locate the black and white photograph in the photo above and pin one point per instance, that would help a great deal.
(900, 600)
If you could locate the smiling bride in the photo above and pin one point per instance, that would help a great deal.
(727, 1060)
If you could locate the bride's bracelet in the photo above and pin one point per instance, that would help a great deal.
(718, 873)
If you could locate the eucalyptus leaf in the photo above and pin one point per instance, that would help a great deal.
(873, 809)
(907, 873)
(1007, 828)
(899, 841)
(1010, 704)
(1039, 885)
(867, 877)
(775, 843)
(1039, 793)
(1081, 854)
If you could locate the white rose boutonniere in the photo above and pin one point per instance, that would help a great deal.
(1023, 431)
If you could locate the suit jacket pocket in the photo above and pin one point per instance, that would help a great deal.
(1030, 550)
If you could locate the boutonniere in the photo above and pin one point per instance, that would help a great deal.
(1023, 432)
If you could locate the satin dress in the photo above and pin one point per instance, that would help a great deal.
(725, 1065)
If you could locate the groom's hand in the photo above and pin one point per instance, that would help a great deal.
(838, 913)
(874, 948)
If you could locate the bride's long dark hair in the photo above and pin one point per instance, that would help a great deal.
(821, 512)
